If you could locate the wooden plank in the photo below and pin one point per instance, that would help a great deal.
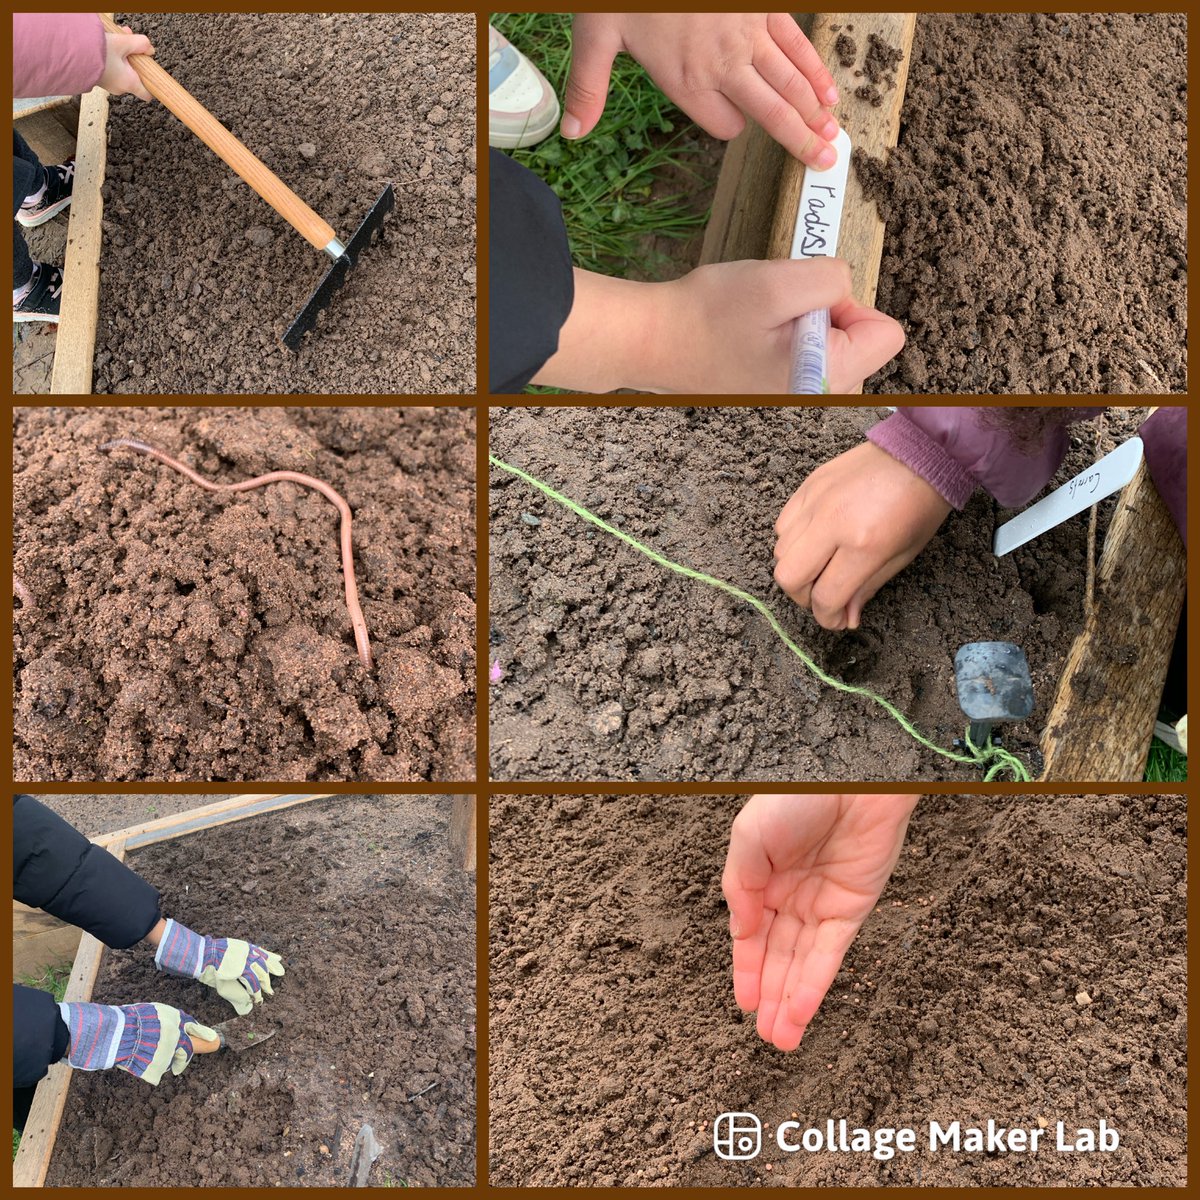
(40, 941)
(32, 1159)
(36, 104)
(743, 209)
(462, 831)
(76, 339)
(46, 137)
(1103, 715)
(872, 130)
(208, 816)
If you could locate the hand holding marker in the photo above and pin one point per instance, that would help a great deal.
(818, 220)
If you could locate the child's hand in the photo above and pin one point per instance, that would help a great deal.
(119, 77)
(716, 67)
(801, 876)
(723, 328)
(852, 524)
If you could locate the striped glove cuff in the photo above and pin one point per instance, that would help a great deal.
(98, 1033)
(180, 951)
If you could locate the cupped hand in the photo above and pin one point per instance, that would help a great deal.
(801, 876)
(855, 522)
(119, 78)
(719, 68)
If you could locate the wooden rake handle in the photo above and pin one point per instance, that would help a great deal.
(313, 228)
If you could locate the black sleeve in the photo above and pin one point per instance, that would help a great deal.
(40, 1035)
(57, 869)
(531, 285)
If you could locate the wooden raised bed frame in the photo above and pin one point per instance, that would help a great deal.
(32, 1159)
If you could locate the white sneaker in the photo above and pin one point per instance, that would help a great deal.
(522, 107)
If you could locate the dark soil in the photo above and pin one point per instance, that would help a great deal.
(376, 927)
(182, 635)
(1036, 206)
(614, 668)
(96, 814)
(200, 277)
(615, 1040)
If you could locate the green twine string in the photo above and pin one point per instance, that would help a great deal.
(992, 760)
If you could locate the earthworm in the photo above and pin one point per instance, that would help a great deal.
(352, 605)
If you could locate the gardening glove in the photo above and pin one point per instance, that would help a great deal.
(239, 971)
(143, 1039)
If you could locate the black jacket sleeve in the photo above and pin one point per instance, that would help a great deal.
(531, 285)
(57, 869)
(40, 1035)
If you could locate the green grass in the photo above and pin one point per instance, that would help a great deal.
(607, 180)
(52, 979)
(1165, 765)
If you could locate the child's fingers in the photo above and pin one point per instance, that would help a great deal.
(819, 969)
(747, 872)
(587, 83)
(780, 73)
(869, 339)
(757, 99)
(714, 113)
(802, 564)
(781, 950)
(841, 579)
(791, 40)
(748, 953)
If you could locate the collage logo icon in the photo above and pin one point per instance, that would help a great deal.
(737, 1136)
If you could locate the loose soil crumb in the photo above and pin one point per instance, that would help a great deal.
(1036, 206)
(615, 1040)
(182, 635)
(611, 667)
(879, 66)
(376, 928)
(846, 49)
(200, 277)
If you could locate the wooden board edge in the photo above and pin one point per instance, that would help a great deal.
(76, 339)
(32, 1160)
(1141, 517)
(208, 816)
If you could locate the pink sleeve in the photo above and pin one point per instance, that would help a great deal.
(1012, 452)
(56, 54)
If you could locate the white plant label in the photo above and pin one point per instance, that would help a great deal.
(819, 217)
(1109, 475)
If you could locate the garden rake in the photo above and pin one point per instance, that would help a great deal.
(310, 225)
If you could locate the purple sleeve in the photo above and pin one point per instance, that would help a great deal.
(56, 54)
(1012, 453)
(1165, 436)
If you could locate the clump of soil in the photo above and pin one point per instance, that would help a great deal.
(615, 668)
(846, 49)
(376, 928)
(615, 1040)
(178, 634)
(200, 277)
(879, 67)
(1036, 206)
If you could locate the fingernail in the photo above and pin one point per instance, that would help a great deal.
(570, 126)
(829, 130)
(831, 96)
(826, 158)
(734, 928)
